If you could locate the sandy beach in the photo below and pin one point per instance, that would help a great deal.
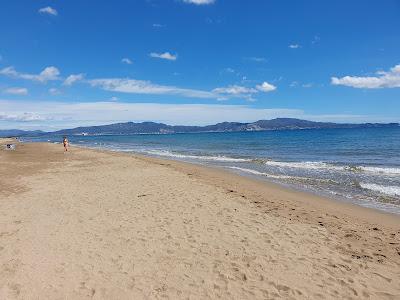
(104, 225)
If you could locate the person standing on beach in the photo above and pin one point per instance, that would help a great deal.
(65, 143)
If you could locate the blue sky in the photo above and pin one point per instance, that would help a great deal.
(70, 63)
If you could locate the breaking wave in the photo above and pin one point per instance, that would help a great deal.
(388, 190)
(287, 177)
(312, 165)
(201, 157)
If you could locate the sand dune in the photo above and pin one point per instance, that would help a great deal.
(99, 225)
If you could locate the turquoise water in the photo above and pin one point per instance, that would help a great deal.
(357, 165)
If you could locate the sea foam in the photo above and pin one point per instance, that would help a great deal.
(201, 157)
(314, 165)
(388, 190)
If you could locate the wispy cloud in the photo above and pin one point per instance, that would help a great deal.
(54, 91)
(165, 55)
(49, 73)
(315, 40)
(237, 91)
(199, 2)
(257, 59)
(158, 25)
(229, 71)
(383, 79)
(294, 46)
(48, 10)
(234, 91)
(304, 85)
(71, 79)
(214, 21)
(126, 60)
(21, 117)
(134, 86)
(16, 91)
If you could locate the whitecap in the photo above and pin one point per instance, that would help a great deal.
(388, 189)
(201, 157)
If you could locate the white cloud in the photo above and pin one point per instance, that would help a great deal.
(157, 25)
(304, 85)
(16, 91)
(228, 70)
(54, 91)
(165, 55)
(49, 73)
(48, 10)
(21, 117)
(307, 85)
(71, 79)
(238, 91)
(257, 59)
(315, 40)
(114, 98)
(199, 2)
(235, 90)
(134, 86)
(266, 87)
(126, 60)
(294, 46)
(383, 79)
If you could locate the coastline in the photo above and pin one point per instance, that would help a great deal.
(203, 232)
(252, 182)
(204, 171)
(348, 173)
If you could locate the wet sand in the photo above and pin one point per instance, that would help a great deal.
(102, 225)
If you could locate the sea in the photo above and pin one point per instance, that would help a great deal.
(361, 166)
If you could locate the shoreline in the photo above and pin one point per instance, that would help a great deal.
(367, 185)
(347, 204)
(259, 182)
(98, 224)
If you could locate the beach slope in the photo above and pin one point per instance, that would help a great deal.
(101, 225)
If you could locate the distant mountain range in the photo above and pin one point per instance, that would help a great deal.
(17, 132)
(160, 128)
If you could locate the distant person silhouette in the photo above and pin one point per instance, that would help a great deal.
(65, 143)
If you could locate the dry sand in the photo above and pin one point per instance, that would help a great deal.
(99, 225)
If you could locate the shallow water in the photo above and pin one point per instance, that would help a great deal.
(357, 165)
